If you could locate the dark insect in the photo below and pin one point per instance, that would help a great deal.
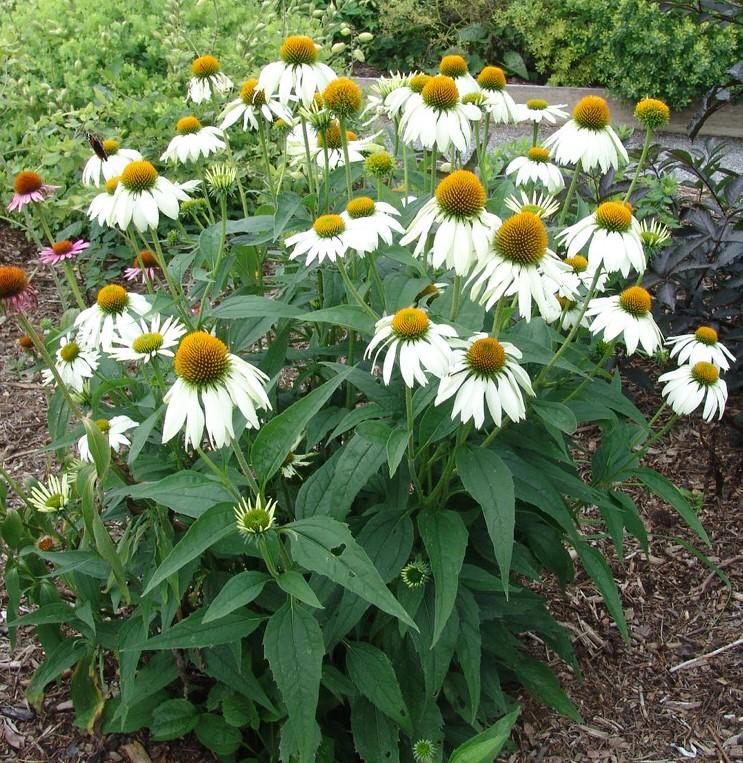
(96, 145)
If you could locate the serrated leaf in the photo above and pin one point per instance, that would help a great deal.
(372, 672)
(294, 648)
(173, 719)
(238, 591)
(214, 733)
(293, 583)
(445, 538)
(253, 306)
(484, 747)
(193, 633)
(349, 316)
(326, 546)
(375, 736)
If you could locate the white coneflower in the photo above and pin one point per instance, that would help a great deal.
(141, 195)
(419, 345)
(114, 310)
(373, 220)
(253, 518)
(407, 94)
(687, 387)
(253, 105)
(627, 315)
(485, 372)
(588, 138)
(465, 227)
(582, 275)
(114, 429)
(439, 118)
(102, 205)
(542, 205)
(536, 167)
(74, 363)
(112, 166)
(381, 102)
(456, 67)
(521, 265)
(329, 140)
(295, 461)
(140, 342)
(328, 238)
(538, 110)
(614, 234)
(702, 345)
(52, 496)
(211, 382)
(208, 79)
(298, 75)
(498, 103)
(193, 140)
(571, 312)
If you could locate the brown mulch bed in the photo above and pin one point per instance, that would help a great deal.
(633, 706)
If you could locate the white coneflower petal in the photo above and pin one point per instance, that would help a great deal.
(689, 385)
(535, 167)
(112, 166)
(702, 345)
(193, 141)
(139, 341)
(207, 80)
(371, 221)
(114, 429)
(74, 363)
(52, 496)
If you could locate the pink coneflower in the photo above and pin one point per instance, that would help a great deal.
(29, 187)
(145, 264)
(62, 250)
(16, 292)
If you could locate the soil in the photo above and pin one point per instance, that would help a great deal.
(643, 701)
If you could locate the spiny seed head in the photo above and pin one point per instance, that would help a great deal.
(25, 342)
(221, 177)
(424, 751)
(652, 113)
(343, 97)
(298, 49)
(250, 96)
(636, 301)
(45, 543)
(440, 93)
(566, 304)
(145, 259)
(410, 323)
(103, 425)
(536, 104)
(327, 226)
(187, 125)
(453, 66)
(147, 343)
(419, 81)
(706, 335)
(415, 574)
(486, 356)
(201, 359)
(379, 164)
(705, 373)
(280, 124)
(478, 99)
(331, 136)
(254, 517)
(62, 247)
(112, 299)
(492, 78)
(139, 176)
(592, 113)
(13, 281)
(461, 194)
(112, 184)
(538, 154)
(614, 216)
(522, 239)
(110, 146)
(69, 352)
(579, 264)
(27, 182)
(362, 206)
(205, 66)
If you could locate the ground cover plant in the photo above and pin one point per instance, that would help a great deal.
(318, 432)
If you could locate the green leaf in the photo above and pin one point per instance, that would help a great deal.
(445, 537)
(541, 683)
(173, 719)
(396, 446)
(375, 736)
(488, 480)
(63, 656)
(666, 490)
(469, 647)
(214, 733)
(484, 747)
(187, 492)
(601, 574)
(193, 633)
(100, 450)
(275, 440)
(142, 433)
(252, 306)
(239, 711)
(210, 528)
(351, 317)
(294, 647)
(293, 583)
(87, 698)
(238, 591)
(372, 672)
(557, 414)
(326, 546)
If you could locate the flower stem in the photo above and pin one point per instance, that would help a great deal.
(497, 318)
(411, 446)
(307, 156)
(434, 157)
(245, 468)
(535, 134)
(640, 163)
(346, 160)
(569, 195)
(404, 168)
(456, 298)
(15, 486)
(326, 174)
(219, 473)
(218, 262)
(353, 291)
(72, 282)
(264, 151)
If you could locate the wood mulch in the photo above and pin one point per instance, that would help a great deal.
(674, 693)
